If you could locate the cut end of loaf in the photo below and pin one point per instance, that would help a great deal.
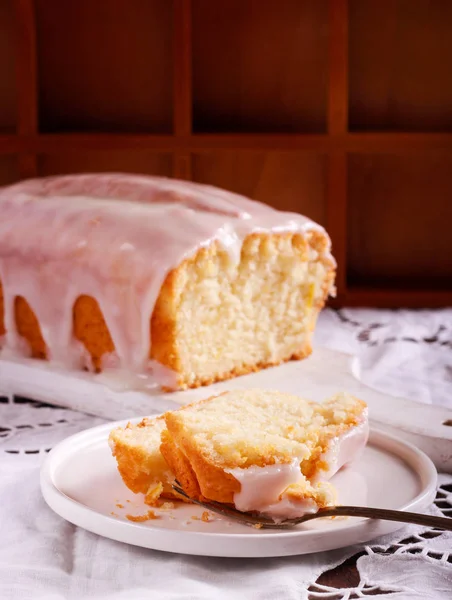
(216, 318)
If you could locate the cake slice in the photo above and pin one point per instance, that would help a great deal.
(264, 451)
(136, 448)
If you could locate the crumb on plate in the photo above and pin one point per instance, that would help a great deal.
(141, 518)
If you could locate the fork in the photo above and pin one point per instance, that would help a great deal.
(367, 512)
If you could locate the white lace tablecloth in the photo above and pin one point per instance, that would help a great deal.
(407, 353)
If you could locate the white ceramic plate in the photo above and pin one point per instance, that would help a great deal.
(80, 482)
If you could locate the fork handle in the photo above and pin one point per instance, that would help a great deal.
(384, 514)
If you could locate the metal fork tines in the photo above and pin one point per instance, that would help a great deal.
(366, 512)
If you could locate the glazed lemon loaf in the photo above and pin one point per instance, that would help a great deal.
(162, 282)
(264, 451)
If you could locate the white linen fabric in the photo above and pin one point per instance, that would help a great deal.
(407, 353)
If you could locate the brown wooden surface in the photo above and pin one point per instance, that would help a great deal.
(260, 66)
(182, 80)
(336, 108)
(401, 65)
(407, 213)
(105, 65)
(337, 126)
(26, 81)
(8, 108)
(288, 181)
(132, 161)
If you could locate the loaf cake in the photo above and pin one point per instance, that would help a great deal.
(160, 282)
(260, 451)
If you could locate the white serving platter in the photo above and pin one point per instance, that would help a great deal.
(80, 482)
(324, 373)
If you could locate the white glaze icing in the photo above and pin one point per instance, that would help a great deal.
(262, 488)
(344, 449)
(61, 237)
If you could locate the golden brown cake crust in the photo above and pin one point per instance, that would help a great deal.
(179, 465)
(199, 477)
(90, 328)
(28, 327)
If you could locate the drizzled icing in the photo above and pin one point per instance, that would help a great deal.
(114, 237)
(262, 488)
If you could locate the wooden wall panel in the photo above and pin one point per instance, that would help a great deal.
(104, 65)
(401, 65)
(129, 161)
(400, 211)
(339, 109)
(9, 169)
(287, 181)
(260, 66)
(7, 67)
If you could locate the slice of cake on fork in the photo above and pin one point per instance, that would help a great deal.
(264, 451)
(141, 465)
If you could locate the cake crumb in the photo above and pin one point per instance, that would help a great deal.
(167, 505)
(205, 517)
(195, 518)
(141, 518)
(153, 494)
(257, 525)
(127, 500)
(113, 514)
(119, 505)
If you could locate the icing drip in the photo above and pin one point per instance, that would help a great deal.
(262, 488)
(113, 237)
(344, 448)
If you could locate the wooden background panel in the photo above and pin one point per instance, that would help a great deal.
(400, 65)
(287, 181)
(400, 212)
(260, 66)
(7, 67)
(105, 66)
(9, 171)
(128, 161)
